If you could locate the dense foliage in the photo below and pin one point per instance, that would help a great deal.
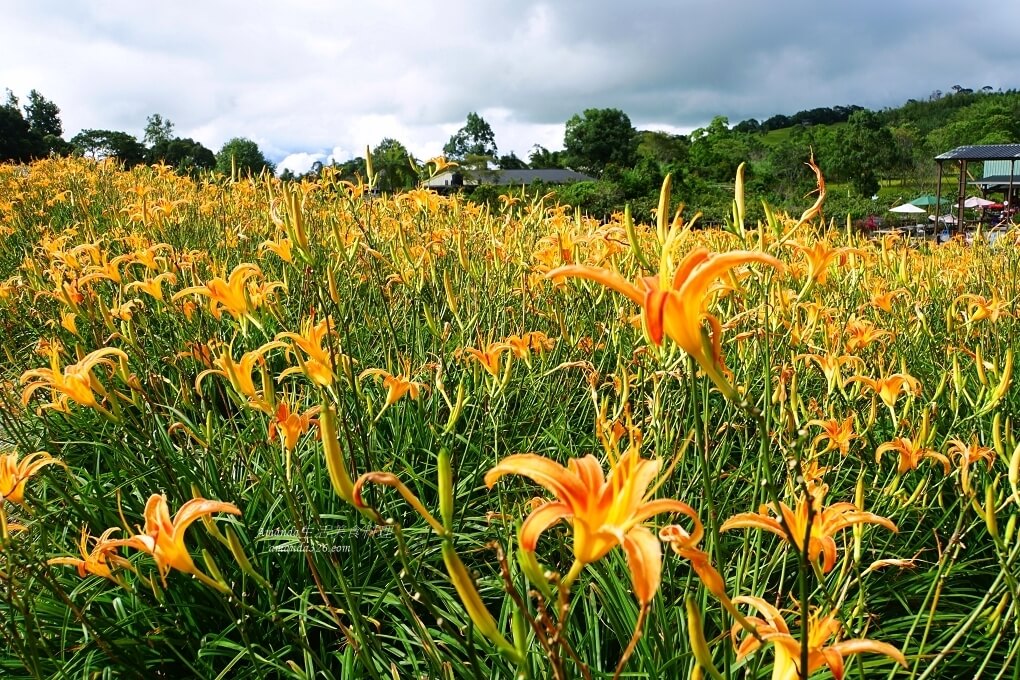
(292, 430)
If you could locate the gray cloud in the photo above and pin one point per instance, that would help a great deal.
(310, 77)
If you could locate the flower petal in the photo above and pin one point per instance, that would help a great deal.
(644, 557)
(549, 474)
(606, 277)
(540, 520)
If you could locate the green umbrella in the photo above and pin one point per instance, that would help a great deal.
(927, 201)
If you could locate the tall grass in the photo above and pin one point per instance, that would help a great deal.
(304, 584)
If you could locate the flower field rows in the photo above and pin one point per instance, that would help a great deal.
(306, 430)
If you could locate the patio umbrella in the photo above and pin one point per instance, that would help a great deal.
(908, 208)
(945, 219)
(977, 202)
(927, 201)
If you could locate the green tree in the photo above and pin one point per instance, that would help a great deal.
(716, 151)
(542, 158)
(245, 155)
(599, 138)
(109, 144)
(474, 139)
(663, 147)
(864, 150)
(186, 155)
(353, 170)
(511, 162)
(157, 129)
(16, 139)
(43, 116)
(394, 168)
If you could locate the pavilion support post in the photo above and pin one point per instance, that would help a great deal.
(938, 199)
(961, 195)
(1009, 194)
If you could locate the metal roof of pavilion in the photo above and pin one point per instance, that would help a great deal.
(982, 152)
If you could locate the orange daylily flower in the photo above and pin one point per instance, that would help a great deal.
(163, 538)
(890, 387)
(290, 425)
(676, 306)
(967, 455)
(231, 293)
(838, 434)
(819, 258)
(239, 374)
(533, 341)
(489, 356)
(884, 301)
(101, 559)
(396, 385)
(14, 474)
(76, 381)
(826, 521)
(831, 366)
(980, 308)
(315, 361)
(604, 511)
(861, 333)
(282, 248)
(786, 666)
(910, 454)
(153, 286)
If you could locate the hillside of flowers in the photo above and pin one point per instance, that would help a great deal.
(270, 429)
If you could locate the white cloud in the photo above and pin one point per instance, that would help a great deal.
(299, 162)
(311, 77)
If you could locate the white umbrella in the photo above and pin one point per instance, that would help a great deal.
(907, 208)
(947, 219)
(977, 202)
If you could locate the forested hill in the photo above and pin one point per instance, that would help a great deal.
(860, 152)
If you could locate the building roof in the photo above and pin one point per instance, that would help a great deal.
(982, 152)
(508, 177)
(549, 175)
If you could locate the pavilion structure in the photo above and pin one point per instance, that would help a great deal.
(998, 173)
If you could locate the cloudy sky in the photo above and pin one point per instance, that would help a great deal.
(317, 79)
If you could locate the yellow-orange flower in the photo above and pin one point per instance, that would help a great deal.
(489, 356)
(75, 382)
(910, 454)
(604, 511)
(101, 559)
(14, 473)
(239, 374)
(315, 360)
(825, 523)
(838, 434)
(819, 257)
(231, 293)
(533, 341)
(861, 333)
(676, 305)
(290, 425)
(163, 538)
(967, 455)
(396, 385)
(152, 286)
(821, 629)
(890, 387)
(980, 308)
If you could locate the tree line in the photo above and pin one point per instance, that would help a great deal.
(853, 146)
(36, 131)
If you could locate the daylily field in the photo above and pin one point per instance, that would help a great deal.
(261, 430)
